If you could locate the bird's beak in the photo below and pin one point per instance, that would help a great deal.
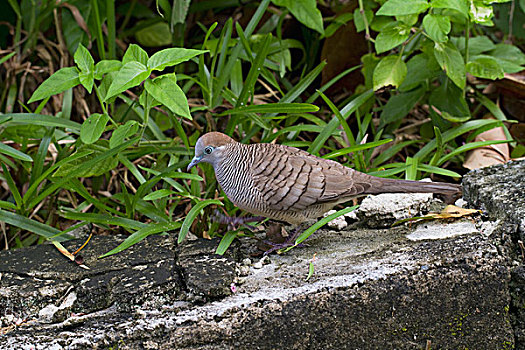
(196, 160)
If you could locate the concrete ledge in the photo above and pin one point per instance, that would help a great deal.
(403, 288)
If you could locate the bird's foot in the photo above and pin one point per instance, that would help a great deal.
(234, 222)
(289, 242)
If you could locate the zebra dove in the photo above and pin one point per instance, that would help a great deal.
(288, 184)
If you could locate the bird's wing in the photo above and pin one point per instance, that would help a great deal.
(292, 179)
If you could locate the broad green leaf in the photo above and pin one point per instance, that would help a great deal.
(419, 69)
(144, 232)
(60, 81)
(106, 66)
(391, 70)
(171, 57)
(130, 75)
(273, 108)
(481, 13)
(340, 21)
(122, 132)
(509, 57)
(77, 167)
(305, 11)
(437, 27)
(155, 35)
(392, 35)
(165, 90)
(86, 64)
(476, 45)
(93, 127)
(459, 5)
(135, 53)
(399, 105)
(451, 62)
(185, 228)
(359, 21)
(449, 100)
(402, 7)
(485, 67)
(11, 152)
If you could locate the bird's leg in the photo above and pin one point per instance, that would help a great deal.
(234, 221)
(290, 241)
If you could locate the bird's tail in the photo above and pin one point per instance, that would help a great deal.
(449, 191)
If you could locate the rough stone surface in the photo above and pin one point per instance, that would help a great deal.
(393, 288)
(500, 191)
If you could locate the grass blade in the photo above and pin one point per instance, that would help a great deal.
(185, 228)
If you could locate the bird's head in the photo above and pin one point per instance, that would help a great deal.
(209, 147)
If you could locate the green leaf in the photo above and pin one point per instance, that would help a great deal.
(99, 161)
(311, 230)
(135, 53)
(481, 13)
(165, 90)
(158, 194)
(281, 108)
(30, 225)
(391, 70)
(485, 67)
(476, 45)
(451, 62)
(106, 66)
(225, 242)
(352, 149)
(60, 81)
(509, 57)
(11, 152)
(392, 35)
(437, 27)
(350, 108)
(305, 11)
(12, 187)
(131, 74)
(41, 120)
(459, 5)
(449, 100)
(185, 228)
(141, 234)
(103, 219)
(470, 146)
(399, 105)
(171, 57)
(86, 64)
(155, 35)
(448, 135)
(419, 69)
(402, 7)
(93, 127)
(122, 132)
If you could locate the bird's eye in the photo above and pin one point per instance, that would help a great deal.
(208, 150)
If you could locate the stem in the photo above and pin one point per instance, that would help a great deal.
(110, 13)
(365, 21)
(100, 41)
(467, 34)
(102, 104)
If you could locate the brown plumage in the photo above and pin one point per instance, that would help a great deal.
(289, 184)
